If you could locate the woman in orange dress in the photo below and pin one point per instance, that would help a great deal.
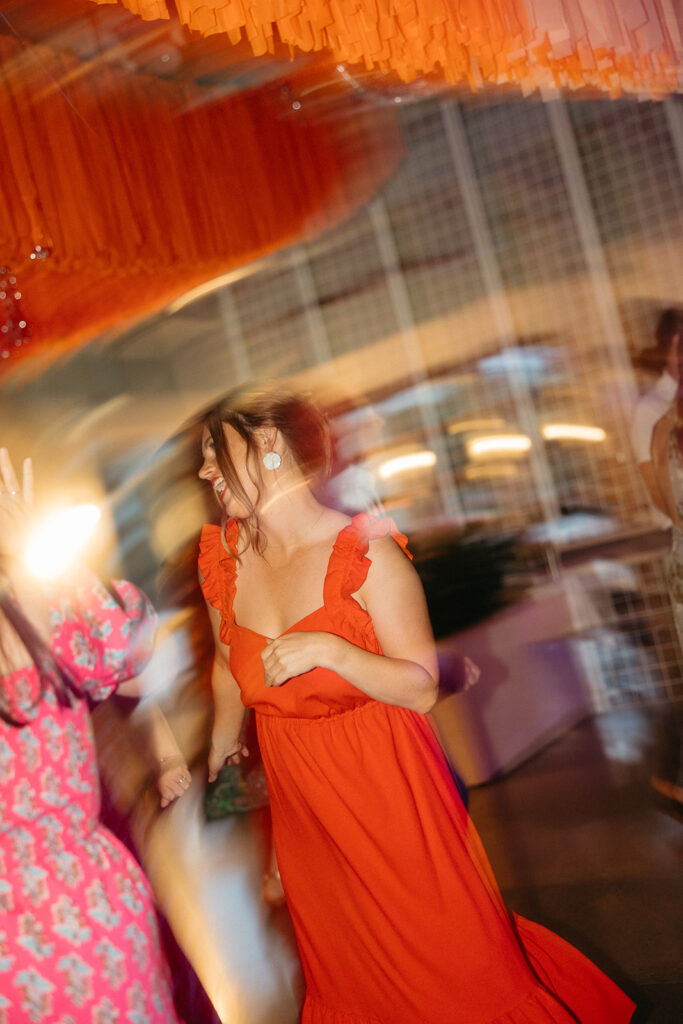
(321, 626)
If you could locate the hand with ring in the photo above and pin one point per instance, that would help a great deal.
(173, 779)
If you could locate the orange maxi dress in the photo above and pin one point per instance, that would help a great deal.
(397, 915)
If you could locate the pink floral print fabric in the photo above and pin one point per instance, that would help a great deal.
(78, 933)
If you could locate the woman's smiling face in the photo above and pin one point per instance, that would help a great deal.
(212, 473)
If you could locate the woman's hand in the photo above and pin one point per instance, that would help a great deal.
(295, 653)
(457, 672)
(15, 504)
(472, 673)
(174, 779)
(222, 753)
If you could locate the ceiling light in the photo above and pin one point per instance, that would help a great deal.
(499, 444)
(406, 463)
(572, 432)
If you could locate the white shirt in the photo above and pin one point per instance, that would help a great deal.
(650, 408)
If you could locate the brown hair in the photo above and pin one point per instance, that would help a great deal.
(51, 674)
(248, 410)
(678, 403)
(670, 324)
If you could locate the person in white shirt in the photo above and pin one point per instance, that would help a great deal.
(653, 429)
(656, 401)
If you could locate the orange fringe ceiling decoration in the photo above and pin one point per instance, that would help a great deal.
(121, 191)
(609, 45)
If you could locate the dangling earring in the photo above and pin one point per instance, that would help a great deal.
(271, 460)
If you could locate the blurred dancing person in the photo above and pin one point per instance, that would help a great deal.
(78, 934)
(655, 417)
(667, 465)
(656, 401)
(321, 626)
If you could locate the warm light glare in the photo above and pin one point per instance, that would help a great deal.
(405, 463)
(499, 444)
(572, 432)
(58, 540)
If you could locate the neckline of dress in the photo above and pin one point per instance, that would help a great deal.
(263, 636)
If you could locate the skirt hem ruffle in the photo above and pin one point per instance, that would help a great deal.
(538, 1007)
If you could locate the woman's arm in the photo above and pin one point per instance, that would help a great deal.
(228, 707)
(656, 473)
(406, 674)
(167, 761)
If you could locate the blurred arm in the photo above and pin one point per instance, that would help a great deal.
(228, 707)
(171, 773)
(656, 472)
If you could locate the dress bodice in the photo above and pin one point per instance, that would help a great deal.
(321, 692)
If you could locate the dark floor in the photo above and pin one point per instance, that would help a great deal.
(579, 843)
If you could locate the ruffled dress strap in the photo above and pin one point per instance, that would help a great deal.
(348, 569)
(219, 571)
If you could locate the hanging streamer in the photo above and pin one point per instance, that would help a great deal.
(610, 45)
(120, 191)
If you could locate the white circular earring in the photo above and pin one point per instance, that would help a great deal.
(271, 460)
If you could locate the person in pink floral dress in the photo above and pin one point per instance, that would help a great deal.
(78, 933)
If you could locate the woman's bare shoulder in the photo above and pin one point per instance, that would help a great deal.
(388, 562)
